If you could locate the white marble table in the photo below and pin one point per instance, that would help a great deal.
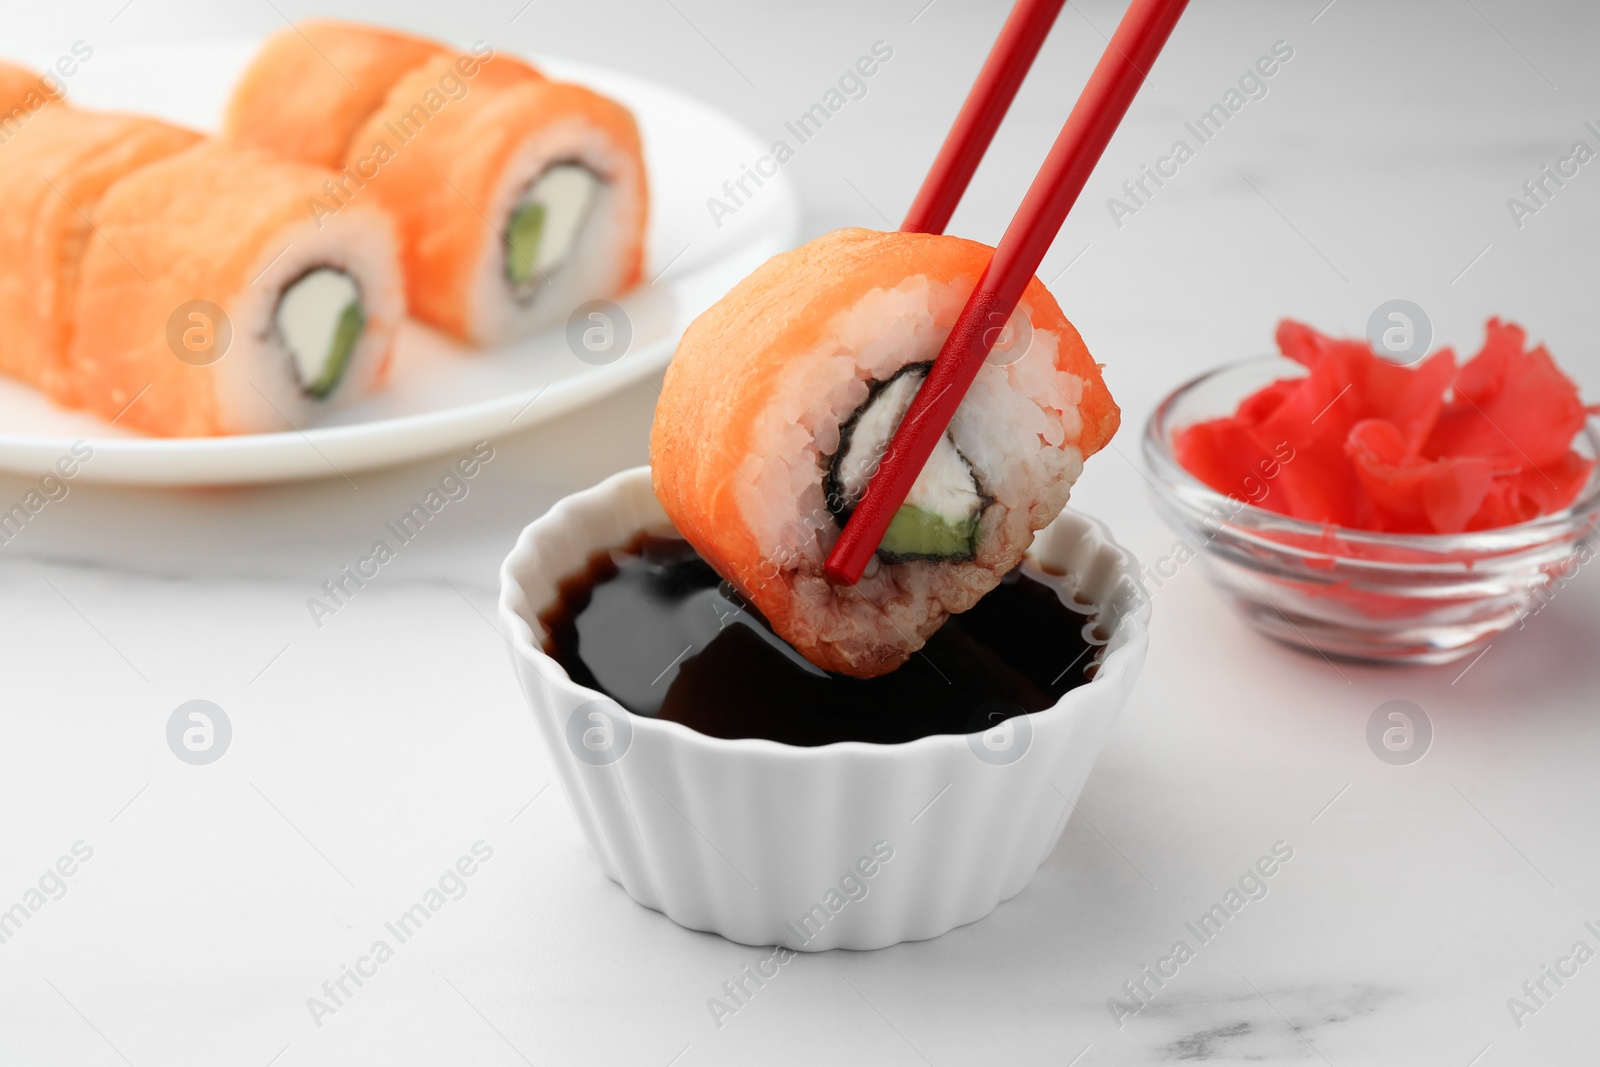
(370, 753)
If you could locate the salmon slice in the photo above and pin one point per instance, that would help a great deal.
(22, 93)
(53, 174)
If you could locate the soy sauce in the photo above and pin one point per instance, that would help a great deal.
(654, 627)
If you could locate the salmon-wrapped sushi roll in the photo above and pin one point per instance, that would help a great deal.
(215, 305)
(314, 84)
(784, 395)
(517, 200)
(52, 176)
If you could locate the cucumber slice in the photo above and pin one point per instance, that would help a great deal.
(939, 518)
(352, 320)
(522, 242)
(915, 533)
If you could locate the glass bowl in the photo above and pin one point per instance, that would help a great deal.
(1355, 594)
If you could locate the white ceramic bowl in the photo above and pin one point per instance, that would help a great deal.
(848, 845)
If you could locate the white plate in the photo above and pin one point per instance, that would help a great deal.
(441, 395)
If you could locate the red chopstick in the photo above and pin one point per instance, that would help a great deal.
(1111, 88)
(1014, 51)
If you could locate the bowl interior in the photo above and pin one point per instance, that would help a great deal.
(560, 544)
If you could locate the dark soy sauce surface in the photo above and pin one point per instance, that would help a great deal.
(656, 629)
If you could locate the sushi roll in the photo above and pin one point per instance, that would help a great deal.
(517, 200)
(340, 73)
(213, 305)
(783, 396)
(52, 178)
(313, 84)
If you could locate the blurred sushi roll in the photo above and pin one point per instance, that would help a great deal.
(53, 175)
(312, 85)
(516, 201)
(782, 398)
(209, 303)
(517, 198)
